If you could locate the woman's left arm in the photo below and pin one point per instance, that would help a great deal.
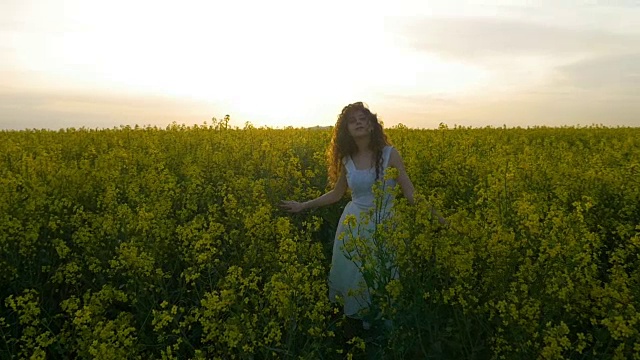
(395, 160)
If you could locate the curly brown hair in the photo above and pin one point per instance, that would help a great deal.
(342, 144)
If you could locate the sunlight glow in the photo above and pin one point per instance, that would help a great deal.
(273, 68)
(293, 63)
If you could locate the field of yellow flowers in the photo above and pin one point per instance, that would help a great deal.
(144, 243)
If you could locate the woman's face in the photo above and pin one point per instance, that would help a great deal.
(359, 125)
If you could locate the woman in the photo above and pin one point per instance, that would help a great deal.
(358, 156)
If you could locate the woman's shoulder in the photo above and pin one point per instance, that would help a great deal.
(345, 159)
(393, 155)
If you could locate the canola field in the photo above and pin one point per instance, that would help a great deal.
(168, 243)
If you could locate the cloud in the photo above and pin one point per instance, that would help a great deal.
(475, 39)
(543, 73)
(524, 109)
(616, 3)
(55, 110)
(619, 73)
(600, 90)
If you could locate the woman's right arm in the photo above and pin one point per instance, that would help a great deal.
(329, 198)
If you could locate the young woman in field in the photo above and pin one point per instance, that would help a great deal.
(358, 155)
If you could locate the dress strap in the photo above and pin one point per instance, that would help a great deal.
(345, 162)
(386, 154)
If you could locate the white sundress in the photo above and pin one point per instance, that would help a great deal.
(346, 280)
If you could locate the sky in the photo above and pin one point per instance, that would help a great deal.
(279, 63)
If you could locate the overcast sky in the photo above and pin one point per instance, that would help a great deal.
(277, 63)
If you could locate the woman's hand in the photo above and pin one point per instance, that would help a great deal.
(292, 206)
